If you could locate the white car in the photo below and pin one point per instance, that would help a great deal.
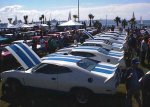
(104, 44)
(113, 36)
(95, 53)
(116, 34)
(79, 76)
(111, 40)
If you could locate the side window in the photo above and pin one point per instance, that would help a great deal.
(98, 45)
(75, 53)
(84, 54)
(88, 54)
(62, 69)
(47, 69)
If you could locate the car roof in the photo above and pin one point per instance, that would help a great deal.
(94, 42)
(93, 49)
(62, 59)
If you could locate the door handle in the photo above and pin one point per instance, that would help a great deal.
(53, 78)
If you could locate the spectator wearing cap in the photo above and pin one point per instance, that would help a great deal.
(145, 86)
(133, 74)
(144, 48)
(148, 52)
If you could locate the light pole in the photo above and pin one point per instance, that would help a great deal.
(78, 10)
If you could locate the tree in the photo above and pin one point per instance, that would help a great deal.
(57, 25)
(42, 17)
(132, 22)
(97, 24)
(25, 19)
(75, 17)
(91, 17)
(117, 20)
(124, 23)
(10, 20)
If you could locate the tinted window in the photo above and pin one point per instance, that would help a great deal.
(84, 54)
(46, 69)
(87, 64)
(62, 69)
(91, 44)
(51, 69)
(98, 45)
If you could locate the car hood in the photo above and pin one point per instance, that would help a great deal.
(24, 55)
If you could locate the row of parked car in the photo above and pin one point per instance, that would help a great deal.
(94, 67)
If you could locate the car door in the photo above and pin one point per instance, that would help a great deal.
(65, 78)
(44, 76)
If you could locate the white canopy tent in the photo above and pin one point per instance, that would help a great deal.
(71, 23)
(20, 25)
(44, 25)
(25, 26)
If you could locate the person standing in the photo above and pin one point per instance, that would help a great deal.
(143, 49)
(34, 45)
(0, 57)
(148, 52)
(133, 74)
(145, 86)
(42, 45)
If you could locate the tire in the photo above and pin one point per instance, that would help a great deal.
(11, 89)
(82, 96)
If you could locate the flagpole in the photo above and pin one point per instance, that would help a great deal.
(78, 11)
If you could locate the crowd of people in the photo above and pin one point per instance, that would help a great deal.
(138, 45)
(137, 51)
(58, 41)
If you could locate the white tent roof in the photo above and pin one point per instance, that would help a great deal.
(25, 26)
(21, 25)
(44, 25)
(11, 26)
(70, 23)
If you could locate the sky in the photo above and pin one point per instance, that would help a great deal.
(59, 9)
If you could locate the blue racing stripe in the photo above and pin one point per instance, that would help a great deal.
(87, 48)
(30, 53)
(67, 56)
(103, 71)
(64, 56)
(22, 56)
(63, 59)
(115, 55)
(105, 66)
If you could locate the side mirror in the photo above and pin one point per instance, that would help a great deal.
(65, 53)
(108, 60)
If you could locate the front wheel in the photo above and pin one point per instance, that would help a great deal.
(11, 89)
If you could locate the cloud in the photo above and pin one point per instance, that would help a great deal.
(100, 12)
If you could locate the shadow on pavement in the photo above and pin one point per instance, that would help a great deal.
(30, 100)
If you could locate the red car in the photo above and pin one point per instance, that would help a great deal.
(37, 38)
(5, 53)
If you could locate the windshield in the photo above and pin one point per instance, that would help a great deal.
(104, 51)
(36, 67)
(107, 42)
(87, 64)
